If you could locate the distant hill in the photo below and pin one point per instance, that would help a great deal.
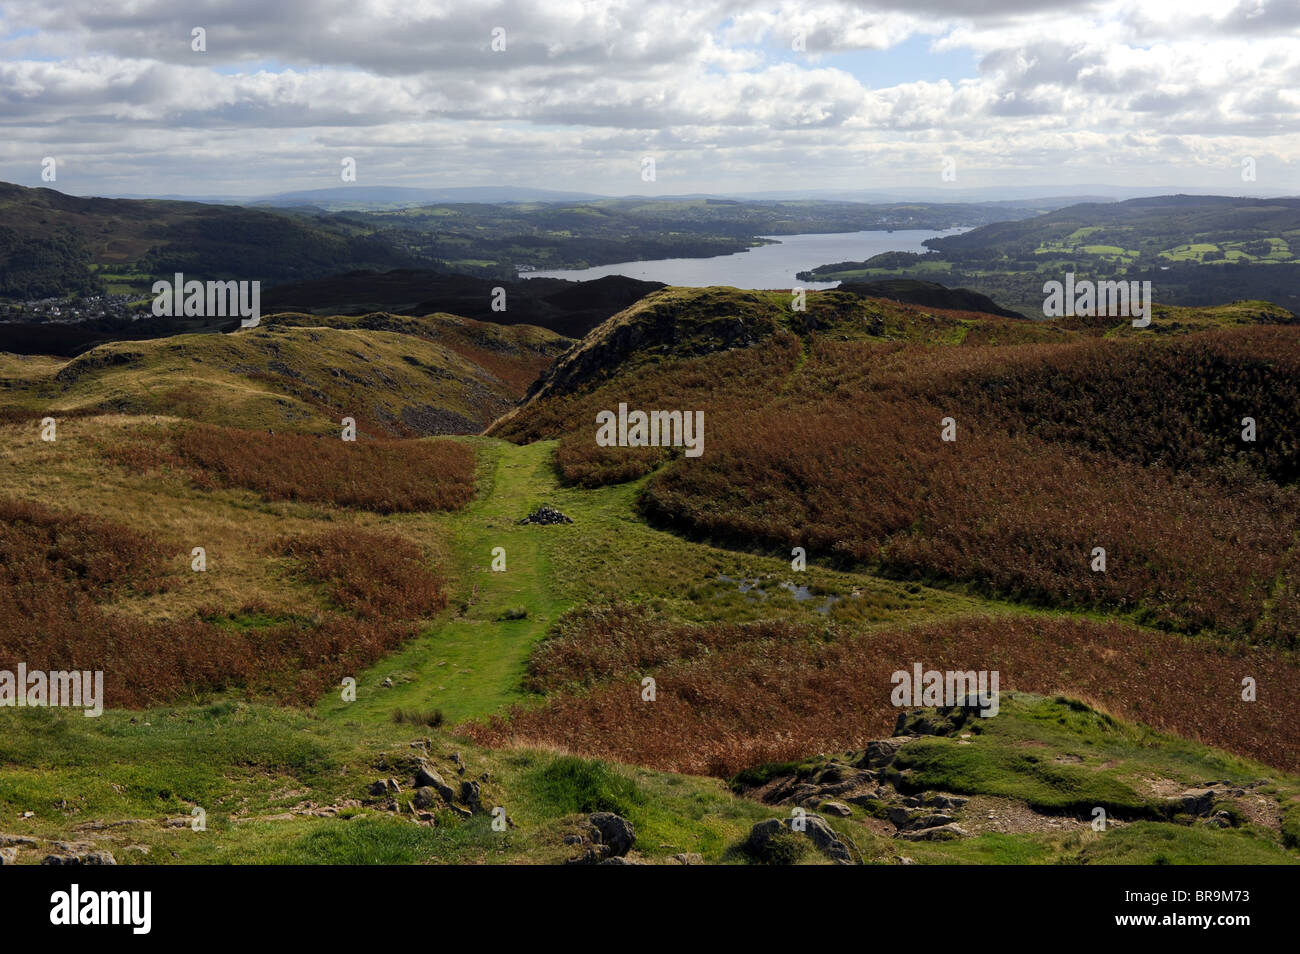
(565, 307)
(360, 197)
(53, 245)
(930, 294)
(1195, 250)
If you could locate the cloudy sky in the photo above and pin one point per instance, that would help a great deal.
(725, 96)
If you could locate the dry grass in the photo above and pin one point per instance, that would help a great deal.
(381, 476)
(731, 696)
(1133, 446)
(59, 569)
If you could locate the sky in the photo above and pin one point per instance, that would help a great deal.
(724, 96)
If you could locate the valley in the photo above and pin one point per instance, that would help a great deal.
(510, 659)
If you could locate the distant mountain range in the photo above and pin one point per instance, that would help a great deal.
(379, 197)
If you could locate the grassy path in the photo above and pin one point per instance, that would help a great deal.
(470, 662)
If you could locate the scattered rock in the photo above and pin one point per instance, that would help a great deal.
(81, 858)
(424, 796)
(8, 856)
(546, 516)
(99, 825)
(687, 858)
(838, 809)
(18, 841)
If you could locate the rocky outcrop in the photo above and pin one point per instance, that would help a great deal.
(605, 838)
(866, 782)
(430, 791)
(768, 839)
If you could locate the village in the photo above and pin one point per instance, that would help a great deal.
(72, 310)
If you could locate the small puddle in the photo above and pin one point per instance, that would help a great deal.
(753, 589)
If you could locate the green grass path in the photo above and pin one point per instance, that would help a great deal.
(470, 661)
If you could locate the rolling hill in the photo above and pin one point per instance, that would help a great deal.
(52, 244)
(398, 376)
(1195, 250)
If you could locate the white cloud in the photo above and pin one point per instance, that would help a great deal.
(1168, 92)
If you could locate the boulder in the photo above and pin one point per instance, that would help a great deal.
(472, 795)
(943, 802)
(765, 837)
(426, 776)
(1196, 802)
(880, 752)
(940, 833)
(616, 833)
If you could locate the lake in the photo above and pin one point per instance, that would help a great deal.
(768, 266)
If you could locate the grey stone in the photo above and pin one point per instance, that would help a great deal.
(427, 776)
(881, 752)
(1198, 803)
(941, 833)
(616, 832)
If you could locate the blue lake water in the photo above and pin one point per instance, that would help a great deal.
(768, 266)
